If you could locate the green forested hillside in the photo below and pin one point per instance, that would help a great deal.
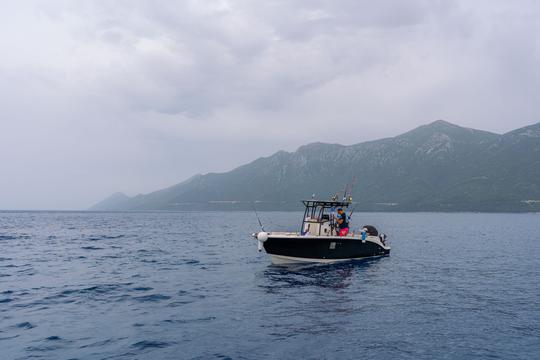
(436, 167)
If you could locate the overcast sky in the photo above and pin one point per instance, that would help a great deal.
(105, 96)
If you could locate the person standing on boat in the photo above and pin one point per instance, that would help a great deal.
(343, 223)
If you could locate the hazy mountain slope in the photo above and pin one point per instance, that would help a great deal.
(116, 200)
(439, 166)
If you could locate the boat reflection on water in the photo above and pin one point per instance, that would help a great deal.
(314, 299)
(332, 276)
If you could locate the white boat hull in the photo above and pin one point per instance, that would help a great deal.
(284, 260)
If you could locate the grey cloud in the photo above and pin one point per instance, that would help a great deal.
(194, 61)
(101, 96)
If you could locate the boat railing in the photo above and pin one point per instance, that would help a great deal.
(352, 234)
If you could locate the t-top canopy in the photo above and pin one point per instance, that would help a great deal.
(325, 203)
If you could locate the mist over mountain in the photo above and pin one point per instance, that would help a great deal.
(116, 200)
(435, 167)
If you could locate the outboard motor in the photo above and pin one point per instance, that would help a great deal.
(371, 230)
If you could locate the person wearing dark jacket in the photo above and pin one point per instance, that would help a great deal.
(343, 223)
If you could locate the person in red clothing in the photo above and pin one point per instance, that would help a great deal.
(343, 223)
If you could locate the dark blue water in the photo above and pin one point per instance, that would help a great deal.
(163, 285)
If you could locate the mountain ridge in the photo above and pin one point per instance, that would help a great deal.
(435, 167)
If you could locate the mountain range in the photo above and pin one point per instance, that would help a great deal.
(435, 167)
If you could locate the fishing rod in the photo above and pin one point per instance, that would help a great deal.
(353, 184)
(258, 218)
(347, 193)
(352, 212)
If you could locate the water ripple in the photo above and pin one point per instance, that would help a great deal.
(168, 285)
(148, 344)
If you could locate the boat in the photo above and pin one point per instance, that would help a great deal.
(318, 240)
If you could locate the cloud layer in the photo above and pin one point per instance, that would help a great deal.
(100, 96)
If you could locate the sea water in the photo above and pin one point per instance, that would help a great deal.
(181, 285)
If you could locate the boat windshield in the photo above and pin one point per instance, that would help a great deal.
(319, 216)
